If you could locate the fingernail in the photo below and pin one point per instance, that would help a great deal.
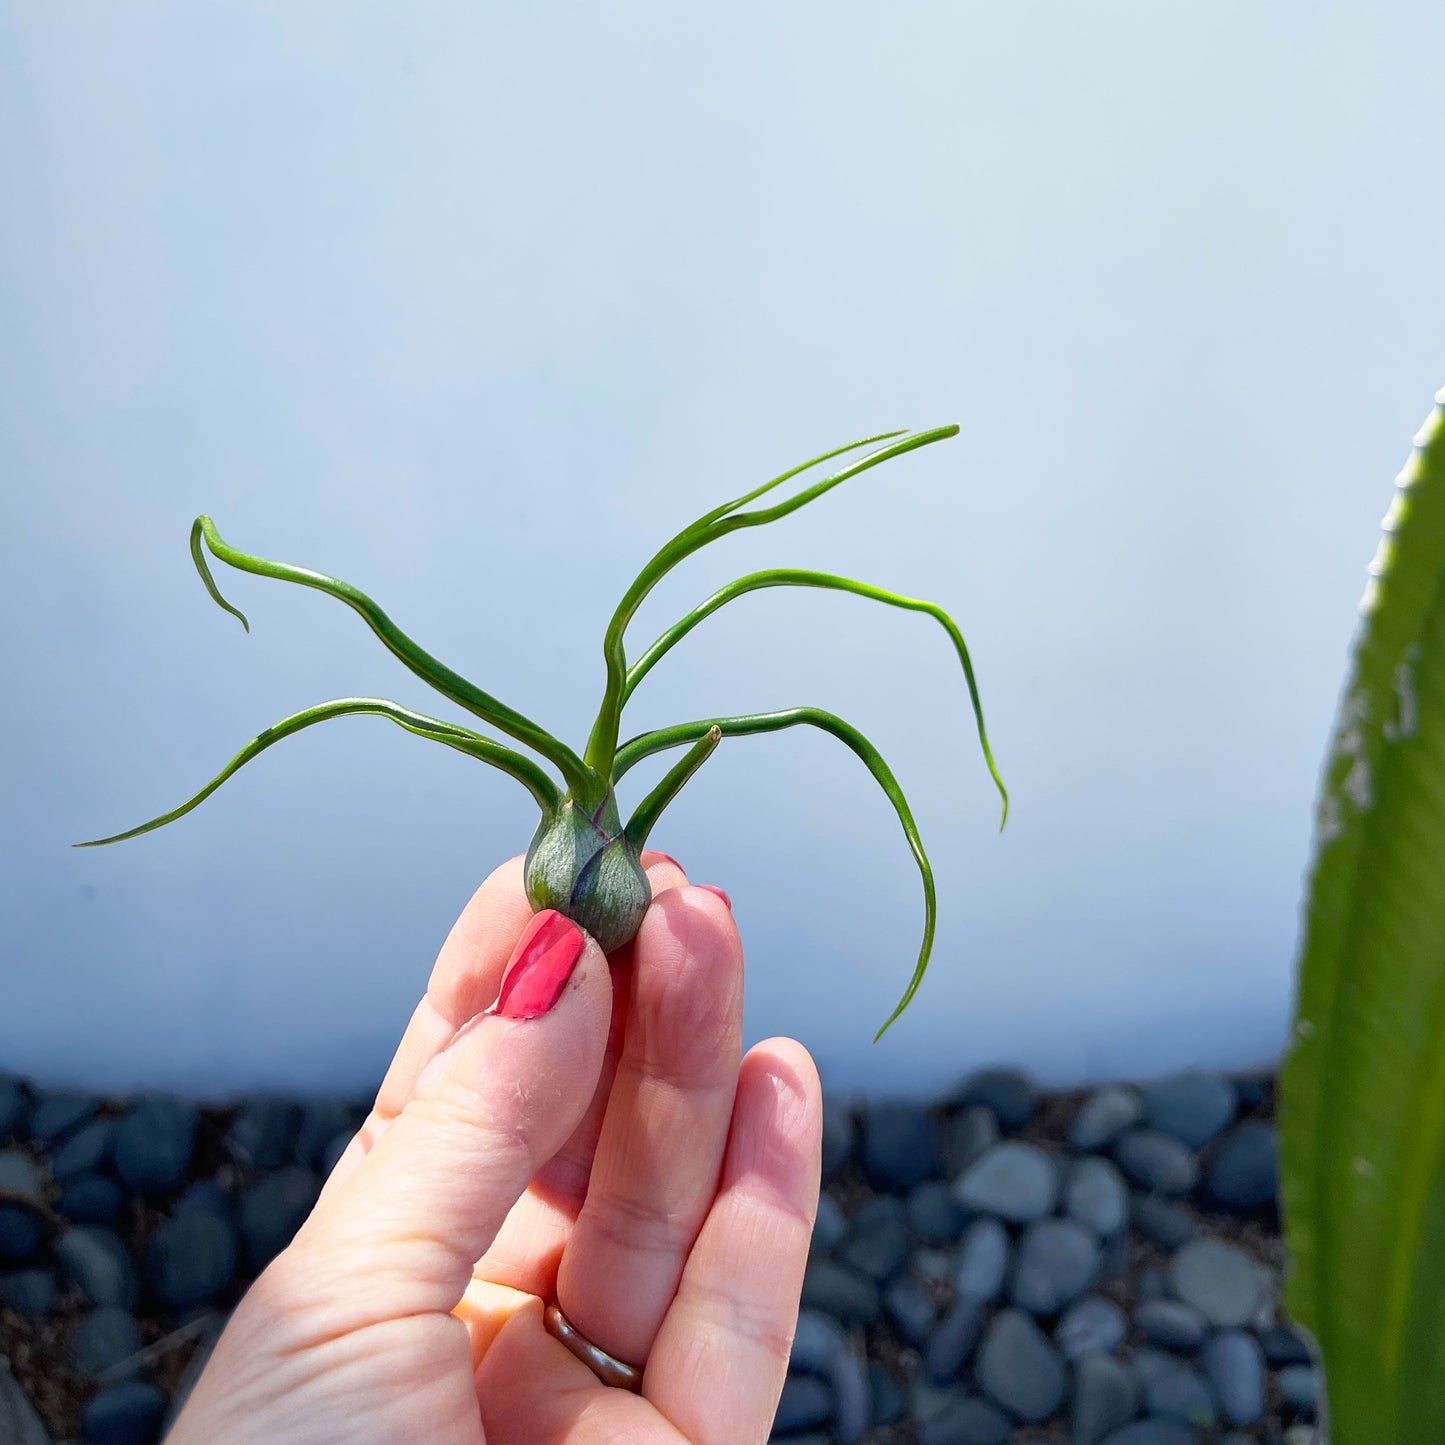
(708, 888)
(667, 857)
(540, 966)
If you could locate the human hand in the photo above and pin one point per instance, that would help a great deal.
(610, 1153)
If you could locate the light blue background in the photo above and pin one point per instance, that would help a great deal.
(473, 305)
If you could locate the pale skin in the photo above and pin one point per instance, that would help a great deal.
(617, 1153)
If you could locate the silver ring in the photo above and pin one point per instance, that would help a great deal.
(607, 1368)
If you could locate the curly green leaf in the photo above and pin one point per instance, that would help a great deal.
(450, 684)
(526, 772)
(649, 810)
(793, 577)
(198, 556)
(708, 518)
(633, 751)
(716, 524)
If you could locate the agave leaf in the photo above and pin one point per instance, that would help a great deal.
(1363, 1085)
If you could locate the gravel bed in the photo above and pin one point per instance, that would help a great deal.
(1001, 1267)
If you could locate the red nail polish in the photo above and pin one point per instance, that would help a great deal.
(540, 966)
(668, 858)
(708, 888)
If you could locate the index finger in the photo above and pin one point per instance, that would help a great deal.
(464, 980)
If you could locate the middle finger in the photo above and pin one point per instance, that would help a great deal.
(528, 1248)
(656, 1166)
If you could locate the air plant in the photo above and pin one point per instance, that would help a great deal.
(583, 861)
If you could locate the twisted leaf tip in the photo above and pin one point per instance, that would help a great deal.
(204, 527)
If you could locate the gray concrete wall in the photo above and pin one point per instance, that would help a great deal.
(473, 305)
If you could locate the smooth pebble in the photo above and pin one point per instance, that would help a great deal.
(897, 1145)
(969, 1421)
(966, 1136)
(1057, 1261)
(1009, 1093)
(1171, 1324)
(953, 1341)
(154, 1144)
(1017, 1182)
(1093, 1326)
(1106, 1396)
(98, 1264)
(191, 1259)
(1156, 1161)
(1300, 1386)
(1220, 1281)
(1191, 1107)
(1094, 1194)
(983, 1260)
(103, 1339)
(29, 1292)
(1243, 1169)
(1105, 1114)
(1234, 1366)
(126, 1414)
(1019, 1368)
(806, 1401)
(837, 1290)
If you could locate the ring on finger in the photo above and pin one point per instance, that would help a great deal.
(607, 1368)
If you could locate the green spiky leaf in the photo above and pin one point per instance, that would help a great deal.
(1363, 1086)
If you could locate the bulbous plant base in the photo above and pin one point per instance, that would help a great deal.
(582, 864)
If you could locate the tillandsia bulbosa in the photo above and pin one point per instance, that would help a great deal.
(583, 861)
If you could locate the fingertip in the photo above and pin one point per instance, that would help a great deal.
(470, 961)
(664, 872)
(778, 1123)
(686, 1004)
(788, 1052)
(791, 1076)
(500, 894)
(693, 922)
(716, 907)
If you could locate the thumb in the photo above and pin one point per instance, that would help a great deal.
(487, 1112)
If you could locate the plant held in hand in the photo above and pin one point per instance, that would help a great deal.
(583, 861)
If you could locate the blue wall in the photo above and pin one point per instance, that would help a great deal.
(473, 305)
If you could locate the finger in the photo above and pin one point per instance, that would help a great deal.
(655, 1172)
(465, 979)
(718, 1364)
(529, 1246)
(468, 970)
(400, 1235)
(564, 1178)
(663, 871)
